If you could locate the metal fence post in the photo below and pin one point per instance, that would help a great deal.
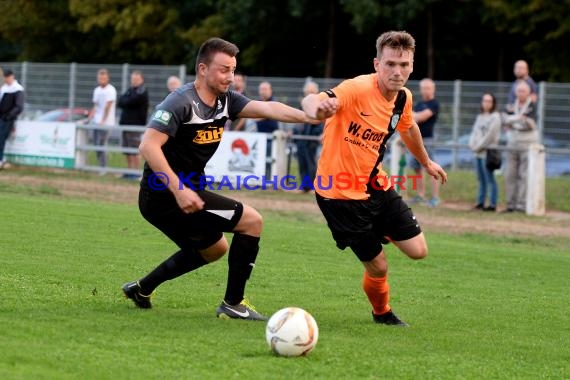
(397, 149)
(81, 139)
(124, 78)
(279, 155)
(455, 113)
(182, 73)
(24, 75)
(72, 81)
(535, 201)
(540, 110)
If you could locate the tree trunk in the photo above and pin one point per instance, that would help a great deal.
(429, 50)
(501, 63)
(330, 40)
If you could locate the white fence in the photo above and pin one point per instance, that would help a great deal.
(69, 85)
(243, 154)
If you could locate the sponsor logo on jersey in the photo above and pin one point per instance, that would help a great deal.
(162, 117)
(394, 121)
(210, 135)
(367, 135)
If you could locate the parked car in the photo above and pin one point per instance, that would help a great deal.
(556, 164)
(64, 114)
(76, 115)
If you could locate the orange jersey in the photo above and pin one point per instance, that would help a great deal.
(352, 137)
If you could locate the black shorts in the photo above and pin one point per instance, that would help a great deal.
(363, 225)
(131, 140)
(198, 230)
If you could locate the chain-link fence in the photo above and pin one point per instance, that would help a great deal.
(52, 86)
(459, 103)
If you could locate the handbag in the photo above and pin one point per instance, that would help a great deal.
(493, 160)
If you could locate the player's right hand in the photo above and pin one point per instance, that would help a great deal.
(327, 108)
(188, 201)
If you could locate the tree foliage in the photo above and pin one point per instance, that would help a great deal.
(543, 25)
(472, 39)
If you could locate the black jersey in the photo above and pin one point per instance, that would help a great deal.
(194, 130)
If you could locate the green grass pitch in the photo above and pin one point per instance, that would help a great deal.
(479, 306)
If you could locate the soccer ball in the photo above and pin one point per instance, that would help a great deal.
(292, 332)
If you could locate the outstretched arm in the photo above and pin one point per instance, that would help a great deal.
(256, 109)
(413, 140)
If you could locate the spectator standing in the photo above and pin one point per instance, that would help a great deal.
(267, 125)
(239, 83)
(266, 95)
(425, 115)
(103, 112)
(521, 133)
(239, 87)
(173, 83)
(134, 103)
(11, 106)
(486, 132)
(521, 72)
(307, 149)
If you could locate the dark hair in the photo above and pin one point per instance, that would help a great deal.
(494, 106)
(211, 47)
(399, 40)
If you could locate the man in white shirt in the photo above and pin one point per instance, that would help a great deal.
(103, 112)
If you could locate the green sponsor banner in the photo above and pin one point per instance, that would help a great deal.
(39, 143)
(53, 162)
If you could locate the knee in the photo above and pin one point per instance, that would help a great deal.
(252, 222)
(419, 252)
(257, 222)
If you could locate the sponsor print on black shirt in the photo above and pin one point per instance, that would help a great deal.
(194, 128)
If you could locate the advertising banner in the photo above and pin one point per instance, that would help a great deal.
(38, 143)
(240, 155)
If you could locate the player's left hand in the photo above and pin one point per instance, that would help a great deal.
(436, 171)
(327, 108)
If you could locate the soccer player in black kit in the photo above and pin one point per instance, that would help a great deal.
(182, 135)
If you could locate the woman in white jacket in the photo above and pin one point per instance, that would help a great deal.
(486, 132)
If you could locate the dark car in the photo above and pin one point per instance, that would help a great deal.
(64, 114)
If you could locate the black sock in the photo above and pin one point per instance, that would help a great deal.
(176, 265)
(241, 261)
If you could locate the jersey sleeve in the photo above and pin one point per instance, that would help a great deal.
(346, 92)
(236, 104)
(170, 114)
(407, 118)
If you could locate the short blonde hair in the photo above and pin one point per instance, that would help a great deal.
(399, 40)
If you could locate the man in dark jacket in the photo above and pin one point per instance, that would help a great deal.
(307, 149)
(11, 105)
(134, 103)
